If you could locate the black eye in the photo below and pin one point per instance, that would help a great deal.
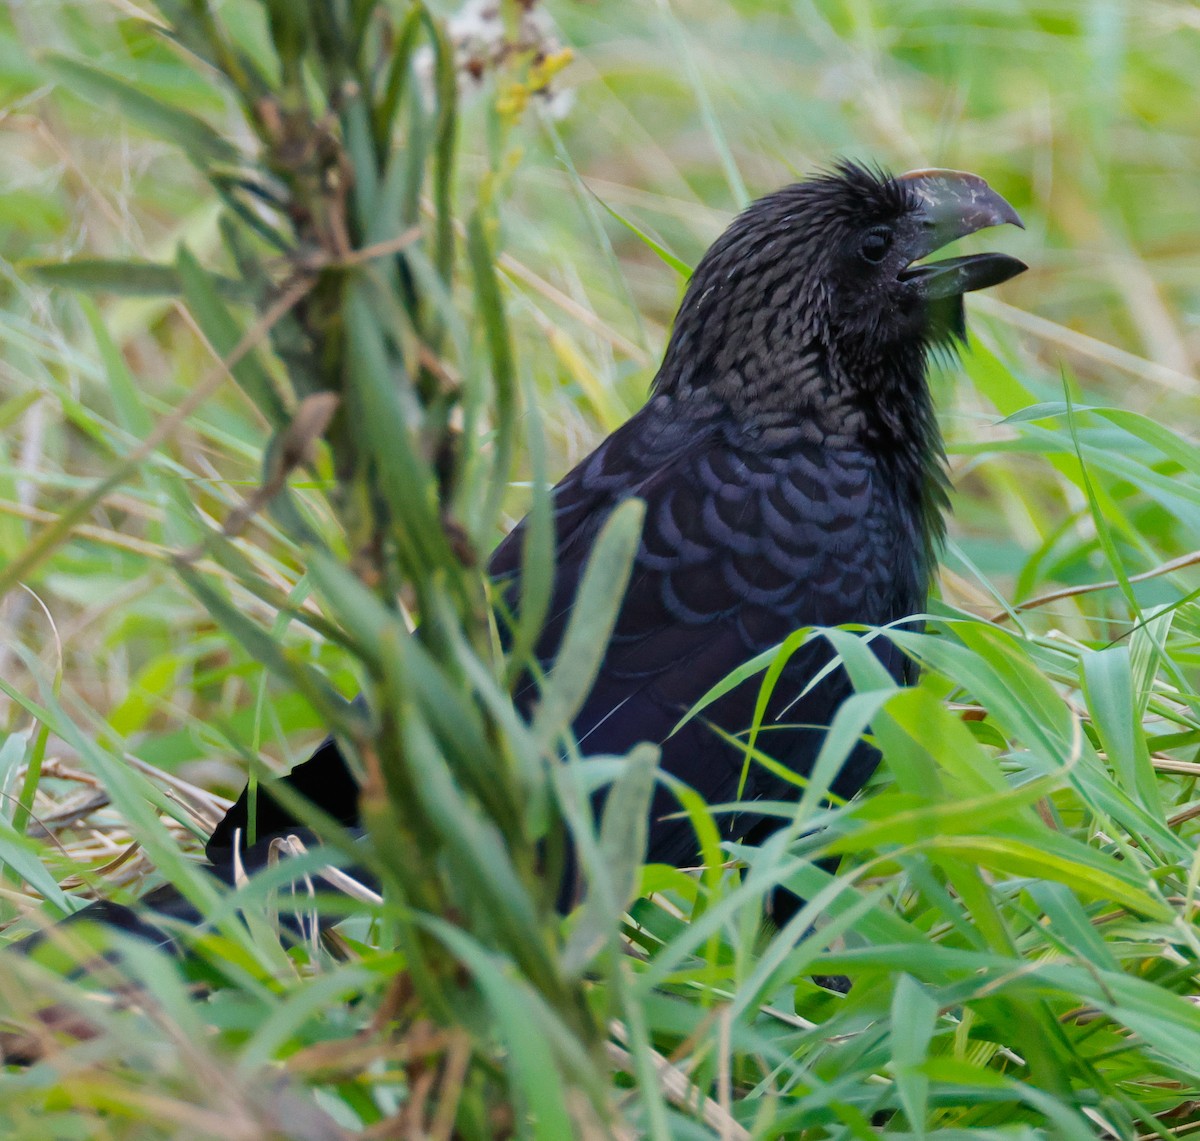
(876, 243)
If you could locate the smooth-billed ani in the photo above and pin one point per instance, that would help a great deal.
(793, 476)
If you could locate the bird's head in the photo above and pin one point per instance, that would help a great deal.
(879, 228)
(828, 274)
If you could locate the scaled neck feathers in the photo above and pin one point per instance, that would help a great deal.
(787, 386)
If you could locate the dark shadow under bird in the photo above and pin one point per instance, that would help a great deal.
(793, 475)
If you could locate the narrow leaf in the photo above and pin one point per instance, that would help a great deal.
(592, 619)
(191, 134)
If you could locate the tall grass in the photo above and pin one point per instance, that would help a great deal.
(212, 551)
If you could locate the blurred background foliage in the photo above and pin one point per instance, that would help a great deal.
(1080, 113)
(1071, 432)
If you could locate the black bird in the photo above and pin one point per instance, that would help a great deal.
(793, 476)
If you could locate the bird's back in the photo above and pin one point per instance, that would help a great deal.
(745, 541)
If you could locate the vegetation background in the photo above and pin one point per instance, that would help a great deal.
(1016, 905)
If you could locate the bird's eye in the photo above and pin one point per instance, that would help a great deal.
(876, 244)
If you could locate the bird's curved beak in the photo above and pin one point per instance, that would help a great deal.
(954, 204)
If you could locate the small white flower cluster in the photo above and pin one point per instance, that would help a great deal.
(483, 41)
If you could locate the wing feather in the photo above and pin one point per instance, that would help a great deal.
(740, 547)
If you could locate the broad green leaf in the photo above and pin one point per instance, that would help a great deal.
(1075, 866)
(914, 1015)
(964, 817)
(1115, 710)
(1071, 924)
(622, 849)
